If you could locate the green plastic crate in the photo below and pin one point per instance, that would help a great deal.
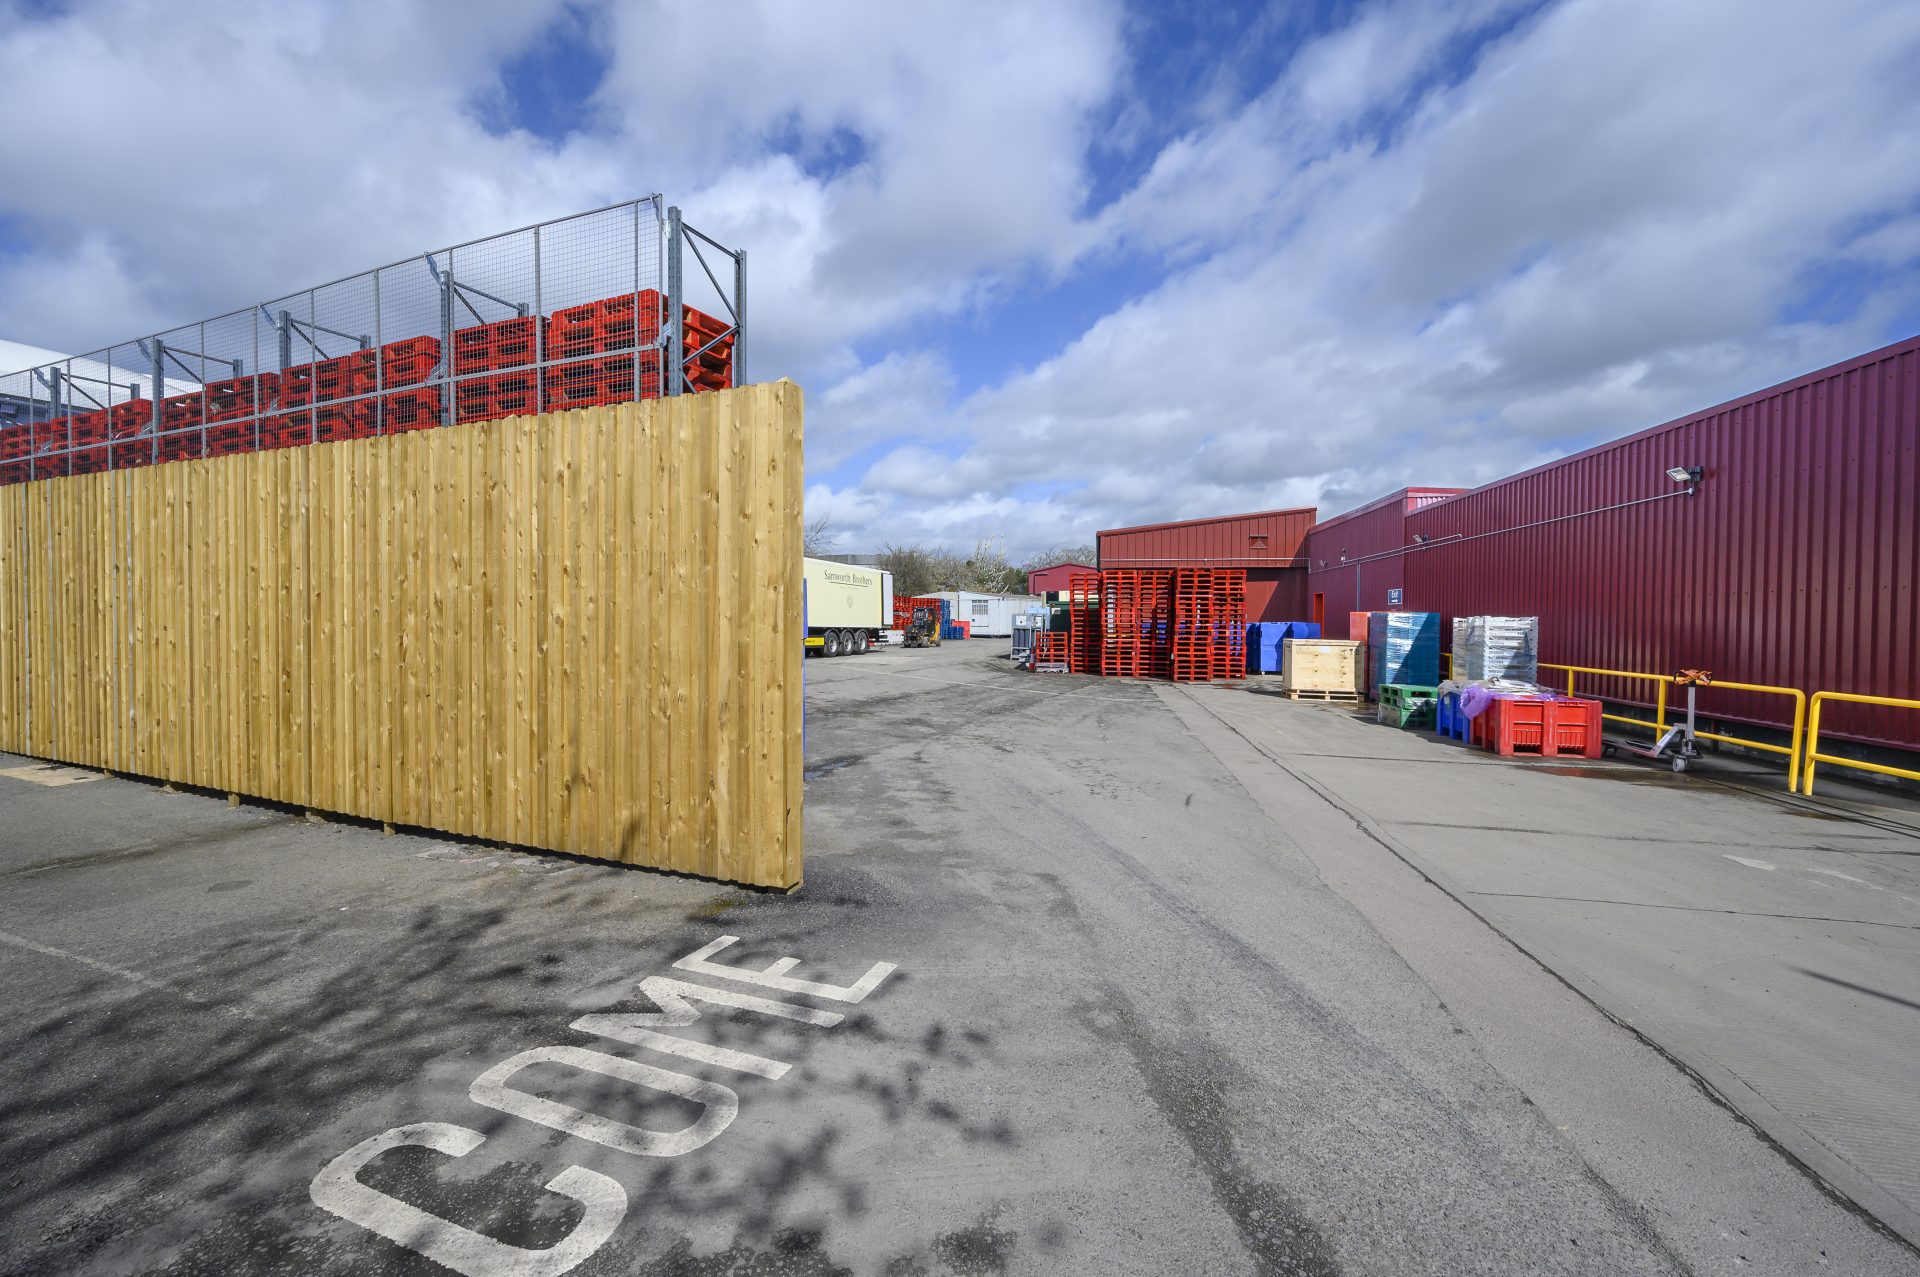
(1405, 705)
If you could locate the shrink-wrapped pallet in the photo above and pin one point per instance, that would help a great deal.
(1486, 647)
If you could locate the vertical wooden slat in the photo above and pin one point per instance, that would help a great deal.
(579, 631)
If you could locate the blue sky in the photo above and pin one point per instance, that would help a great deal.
(1045, 269)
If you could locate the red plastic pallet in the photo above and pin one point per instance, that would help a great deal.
(609, 379)
(337, 422)
(409, 362)
(126, 420)
(238, 398)
(89, 427)
(411, 410)
(181, 447)
(286, 430)
(228, 440)
(507, 343)
(490, 398)
(177, 412)
(598, 327)
(55, 435)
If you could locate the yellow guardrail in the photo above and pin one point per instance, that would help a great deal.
(1813, 736)
(1663, 681)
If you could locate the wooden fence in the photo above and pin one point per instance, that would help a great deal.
(579, 632)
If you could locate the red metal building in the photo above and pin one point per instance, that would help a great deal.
(1357, 559)
(1267, 544)
(1049, 579)
(1794, 562)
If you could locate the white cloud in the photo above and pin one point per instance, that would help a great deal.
(1600, 225)
(1392, 263)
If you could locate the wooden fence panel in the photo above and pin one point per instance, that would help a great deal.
(580, 632)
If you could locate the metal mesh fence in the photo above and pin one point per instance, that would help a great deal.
(583, 310)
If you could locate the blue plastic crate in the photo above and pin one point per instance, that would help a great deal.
(1447, 718)
(1267, 639)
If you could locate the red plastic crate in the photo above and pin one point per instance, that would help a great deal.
(131, 454)
(15, 442)
(490, 398)
(412, 410)
(599, 327)
(286, 430)
(344, 421)
(125, 420)
(1576, 728)
(346, 375)
(296, 386)
(88, 427)
(181, 447)
(608, 379)
(12, 472)
(55, 435)
(1551, 727)
(507, 343)
(409, 362)
(239, 398)
(177, 412)
(229, 440)
(91, 460)
(49, 465)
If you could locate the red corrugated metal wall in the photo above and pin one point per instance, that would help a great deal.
(1356, 558)
(1047, 580)
(1798, 562)
(1269, 539)
(1277, 594)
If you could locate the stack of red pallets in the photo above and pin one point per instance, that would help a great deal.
(600, 352)
(1186, 624)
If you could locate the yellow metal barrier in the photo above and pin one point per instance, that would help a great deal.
(1813, 736)
(1663, 681)
(1660, 681)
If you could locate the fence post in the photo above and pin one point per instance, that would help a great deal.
(670, 367)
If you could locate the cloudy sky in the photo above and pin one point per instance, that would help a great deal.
(1041, 268)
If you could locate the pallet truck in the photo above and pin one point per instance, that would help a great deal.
(1678, 742)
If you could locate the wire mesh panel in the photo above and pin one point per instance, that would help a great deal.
(564, 314)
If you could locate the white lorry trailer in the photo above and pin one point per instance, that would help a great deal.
(849, 608)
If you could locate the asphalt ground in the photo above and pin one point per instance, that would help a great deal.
(1092, 976)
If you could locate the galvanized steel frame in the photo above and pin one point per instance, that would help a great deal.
(618, 249)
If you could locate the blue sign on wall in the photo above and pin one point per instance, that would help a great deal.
(1394, 597)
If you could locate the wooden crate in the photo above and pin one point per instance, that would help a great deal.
(1325, 667)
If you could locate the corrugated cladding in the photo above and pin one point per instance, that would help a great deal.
(1276, 594)
(1796, 564)
(1049, 579)
(1267, 539)
(1370, 539)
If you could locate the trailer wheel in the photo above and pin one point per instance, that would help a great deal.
(830, 644)
(866, 641)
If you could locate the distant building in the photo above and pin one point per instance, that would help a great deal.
(1267, 544)
(1049, 580)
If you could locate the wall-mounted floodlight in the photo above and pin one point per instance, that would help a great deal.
(1421, 538)
(1686, 474)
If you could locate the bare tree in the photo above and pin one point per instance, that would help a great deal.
(913, 570)
(818, 537)
(1061, 554)
(918, 570)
